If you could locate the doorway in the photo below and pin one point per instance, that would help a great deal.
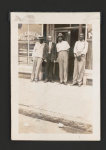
(71, 36)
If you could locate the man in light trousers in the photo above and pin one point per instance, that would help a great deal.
(38, 54)
(80, 50)
(63, 50)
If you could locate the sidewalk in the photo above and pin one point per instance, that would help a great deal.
(70, 105)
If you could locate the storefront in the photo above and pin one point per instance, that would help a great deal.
(28, 32)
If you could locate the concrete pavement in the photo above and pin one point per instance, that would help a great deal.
(70, 105)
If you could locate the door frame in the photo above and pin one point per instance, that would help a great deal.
(62, 30)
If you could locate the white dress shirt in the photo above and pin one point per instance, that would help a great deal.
(50, 46)
(81, 47)
(61, 46)
(38, 50)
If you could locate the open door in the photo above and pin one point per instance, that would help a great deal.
(73, 38)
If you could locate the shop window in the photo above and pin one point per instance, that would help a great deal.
(22, 44)
(27, 34)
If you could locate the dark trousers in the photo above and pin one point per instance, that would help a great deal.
(49, 70)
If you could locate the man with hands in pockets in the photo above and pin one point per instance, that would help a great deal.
(80, 50)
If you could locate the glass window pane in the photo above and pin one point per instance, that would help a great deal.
(22, 43)
(35, 30)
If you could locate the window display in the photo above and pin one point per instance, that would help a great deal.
(27, 34)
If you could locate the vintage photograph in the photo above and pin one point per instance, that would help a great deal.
(55, 75)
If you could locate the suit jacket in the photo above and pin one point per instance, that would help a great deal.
(50, 56)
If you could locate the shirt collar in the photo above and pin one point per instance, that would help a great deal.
(82, 40)
(61, 41)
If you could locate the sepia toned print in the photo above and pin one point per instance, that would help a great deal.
(55, 66)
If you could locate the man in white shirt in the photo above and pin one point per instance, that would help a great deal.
(38, 54)
(62, 49)
(80, 50)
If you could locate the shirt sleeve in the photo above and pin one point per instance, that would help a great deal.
(75, 48)
(86, 48)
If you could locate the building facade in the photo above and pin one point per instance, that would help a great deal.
(28, 32)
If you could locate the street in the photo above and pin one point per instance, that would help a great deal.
(34, 125)
(59, 99)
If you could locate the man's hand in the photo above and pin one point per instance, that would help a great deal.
(75, 55)
(83, 55)
(79, 58)
(45, 60)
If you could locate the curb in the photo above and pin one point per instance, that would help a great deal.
(36, 112)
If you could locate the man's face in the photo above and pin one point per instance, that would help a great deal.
(49, 38)
(60, 38)
(81, 37)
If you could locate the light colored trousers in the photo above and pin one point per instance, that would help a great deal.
(37, 66)
(63, 65)
(79, 68)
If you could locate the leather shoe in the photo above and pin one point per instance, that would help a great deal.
(46, 80)
(73, 84)
(61, 82)
(65, 83)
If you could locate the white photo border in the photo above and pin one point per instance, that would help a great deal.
(55, 18)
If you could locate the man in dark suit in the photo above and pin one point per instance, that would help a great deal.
(50, 58)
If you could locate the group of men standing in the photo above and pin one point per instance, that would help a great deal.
(50, 52)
